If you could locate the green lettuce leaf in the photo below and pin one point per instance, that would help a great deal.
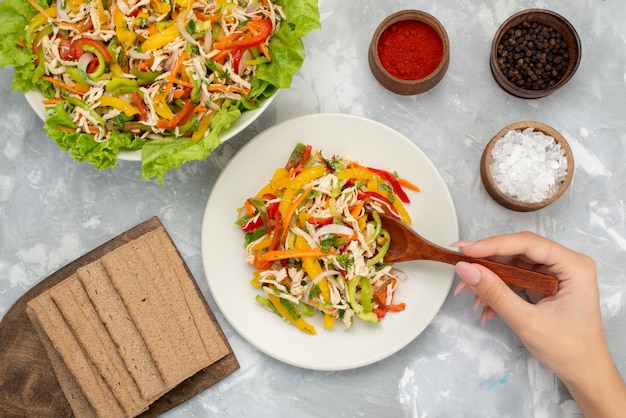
(158, 157)
(14, 16)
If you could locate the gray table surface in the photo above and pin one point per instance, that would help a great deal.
(53, 209)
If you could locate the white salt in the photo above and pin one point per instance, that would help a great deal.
(528, 165)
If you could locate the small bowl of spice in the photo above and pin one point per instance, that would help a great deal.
(534, 53)
(527, 166)
(409, 52)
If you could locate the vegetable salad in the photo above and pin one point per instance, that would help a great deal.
(166, 76)
(315, 237)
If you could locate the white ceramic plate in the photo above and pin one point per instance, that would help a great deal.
(424, 290)
(34, 98)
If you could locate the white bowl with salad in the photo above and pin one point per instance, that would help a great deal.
(163, 82)
(361, 330)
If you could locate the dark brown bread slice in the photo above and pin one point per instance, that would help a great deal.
(73, 302)
(122, 329)
(172, 294)
(132, 279)
(95, 389)
(69, 386)
(214, 345)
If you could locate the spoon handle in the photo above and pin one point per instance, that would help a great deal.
(536, 281)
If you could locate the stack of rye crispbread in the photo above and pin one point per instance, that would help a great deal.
(126, 328)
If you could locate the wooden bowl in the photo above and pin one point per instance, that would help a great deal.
(411, 86)
(547, 18)
(507, 201)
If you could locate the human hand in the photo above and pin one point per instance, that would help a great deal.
(564, 331)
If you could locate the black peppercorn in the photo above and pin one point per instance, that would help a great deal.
(533, 56)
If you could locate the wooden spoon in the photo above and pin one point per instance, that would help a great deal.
(407, 245)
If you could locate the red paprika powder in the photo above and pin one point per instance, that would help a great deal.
(410, 49)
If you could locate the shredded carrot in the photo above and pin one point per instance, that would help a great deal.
(175, 80)
(224, 87)
(174, 72)
(92, 130)
(321, 159)
(408, 184)
(220, 57)
(55, 100)
(292, 209)
(66, 128)
(180, 93)
(356, 210)
(295, 253)
(200, 108)
(249, 208)
(20, 43)
(264, 51)
(76, 89)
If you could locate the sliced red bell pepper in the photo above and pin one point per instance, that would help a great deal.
(305, 155)
(92, 66)
(272, 208)
(313, 220)
(252, 34)
(393, 181)
(141, 106)
(380, 312)
(181, 117)
(277, 232)
(380, 199)
(396, 307)
(237, 59)
(252, 224)
(76, 48)
(265, 213)
(64, 48)
(299, 156)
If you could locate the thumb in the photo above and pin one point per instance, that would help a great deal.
(490, 288)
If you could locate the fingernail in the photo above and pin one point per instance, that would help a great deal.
(462, 243)
(476, 303)
(483, 318)
(468, 273)
(459, 287)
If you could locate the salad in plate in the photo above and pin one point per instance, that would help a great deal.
(315, 238)
(163, 76)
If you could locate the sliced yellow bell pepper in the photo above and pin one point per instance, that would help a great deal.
(279, 181)
(302, 218)
(74, 5)
(101, 15)
(161, 107)
(161, 6)
(124, 35)
(117, 103)
(255, 281)
(358, 173)
(397, 203)
(286, 201)
(160, 39)
(116, 69)
(263, 244)
(284, 312)
(312, 267)
(141, 19)
(307, 175)
(203, 127)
